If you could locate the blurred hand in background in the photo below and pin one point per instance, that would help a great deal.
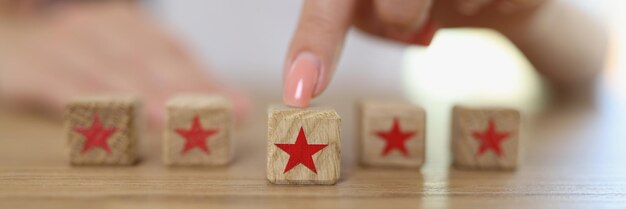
(53, 54)
(564, 43)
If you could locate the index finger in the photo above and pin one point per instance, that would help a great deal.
(315, 48)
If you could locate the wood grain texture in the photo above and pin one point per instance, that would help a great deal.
(214, 113)
(321, 125)
(465, 145)
(379, 116)
(573, 159)
(119, 112)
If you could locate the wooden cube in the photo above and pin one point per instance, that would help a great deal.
(485, 138)
(102, 130)
(392, 134)
(303, 145)
(198, 130)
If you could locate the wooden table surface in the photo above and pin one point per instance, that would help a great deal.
(574, 155)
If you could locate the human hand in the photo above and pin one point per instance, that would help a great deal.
(317, 42)
(99, 48)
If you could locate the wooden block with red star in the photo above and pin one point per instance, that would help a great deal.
(392, 134)
(102, 130)
(303, 145)
(485, 138)
(198, 130)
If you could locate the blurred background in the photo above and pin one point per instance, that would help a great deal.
(245, 47)
(245, 42)
(459, 66)
(572, 147)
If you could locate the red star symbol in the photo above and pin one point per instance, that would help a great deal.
(395, 139)
(490, 139)
(195, 137)
(96, 135)
(301, 152)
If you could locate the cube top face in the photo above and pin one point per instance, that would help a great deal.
(392, 134)
(198, 131)
(199, 102)
(485, 138)
(102, 130)
(304, 145)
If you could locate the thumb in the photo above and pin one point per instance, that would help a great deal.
(315, 48)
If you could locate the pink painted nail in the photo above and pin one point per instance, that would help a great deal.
(301, 80)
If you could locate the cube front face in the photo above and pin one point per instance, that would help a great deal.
(392, 134)
(198, 131)
(485, 138)
(102, 131)
(304, 146)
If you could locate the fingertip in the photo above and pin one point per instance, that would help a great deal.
(302, 80)
(320, 35)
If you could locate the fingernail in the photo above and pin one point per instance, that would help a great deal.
(426, 33)
(301, 80)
